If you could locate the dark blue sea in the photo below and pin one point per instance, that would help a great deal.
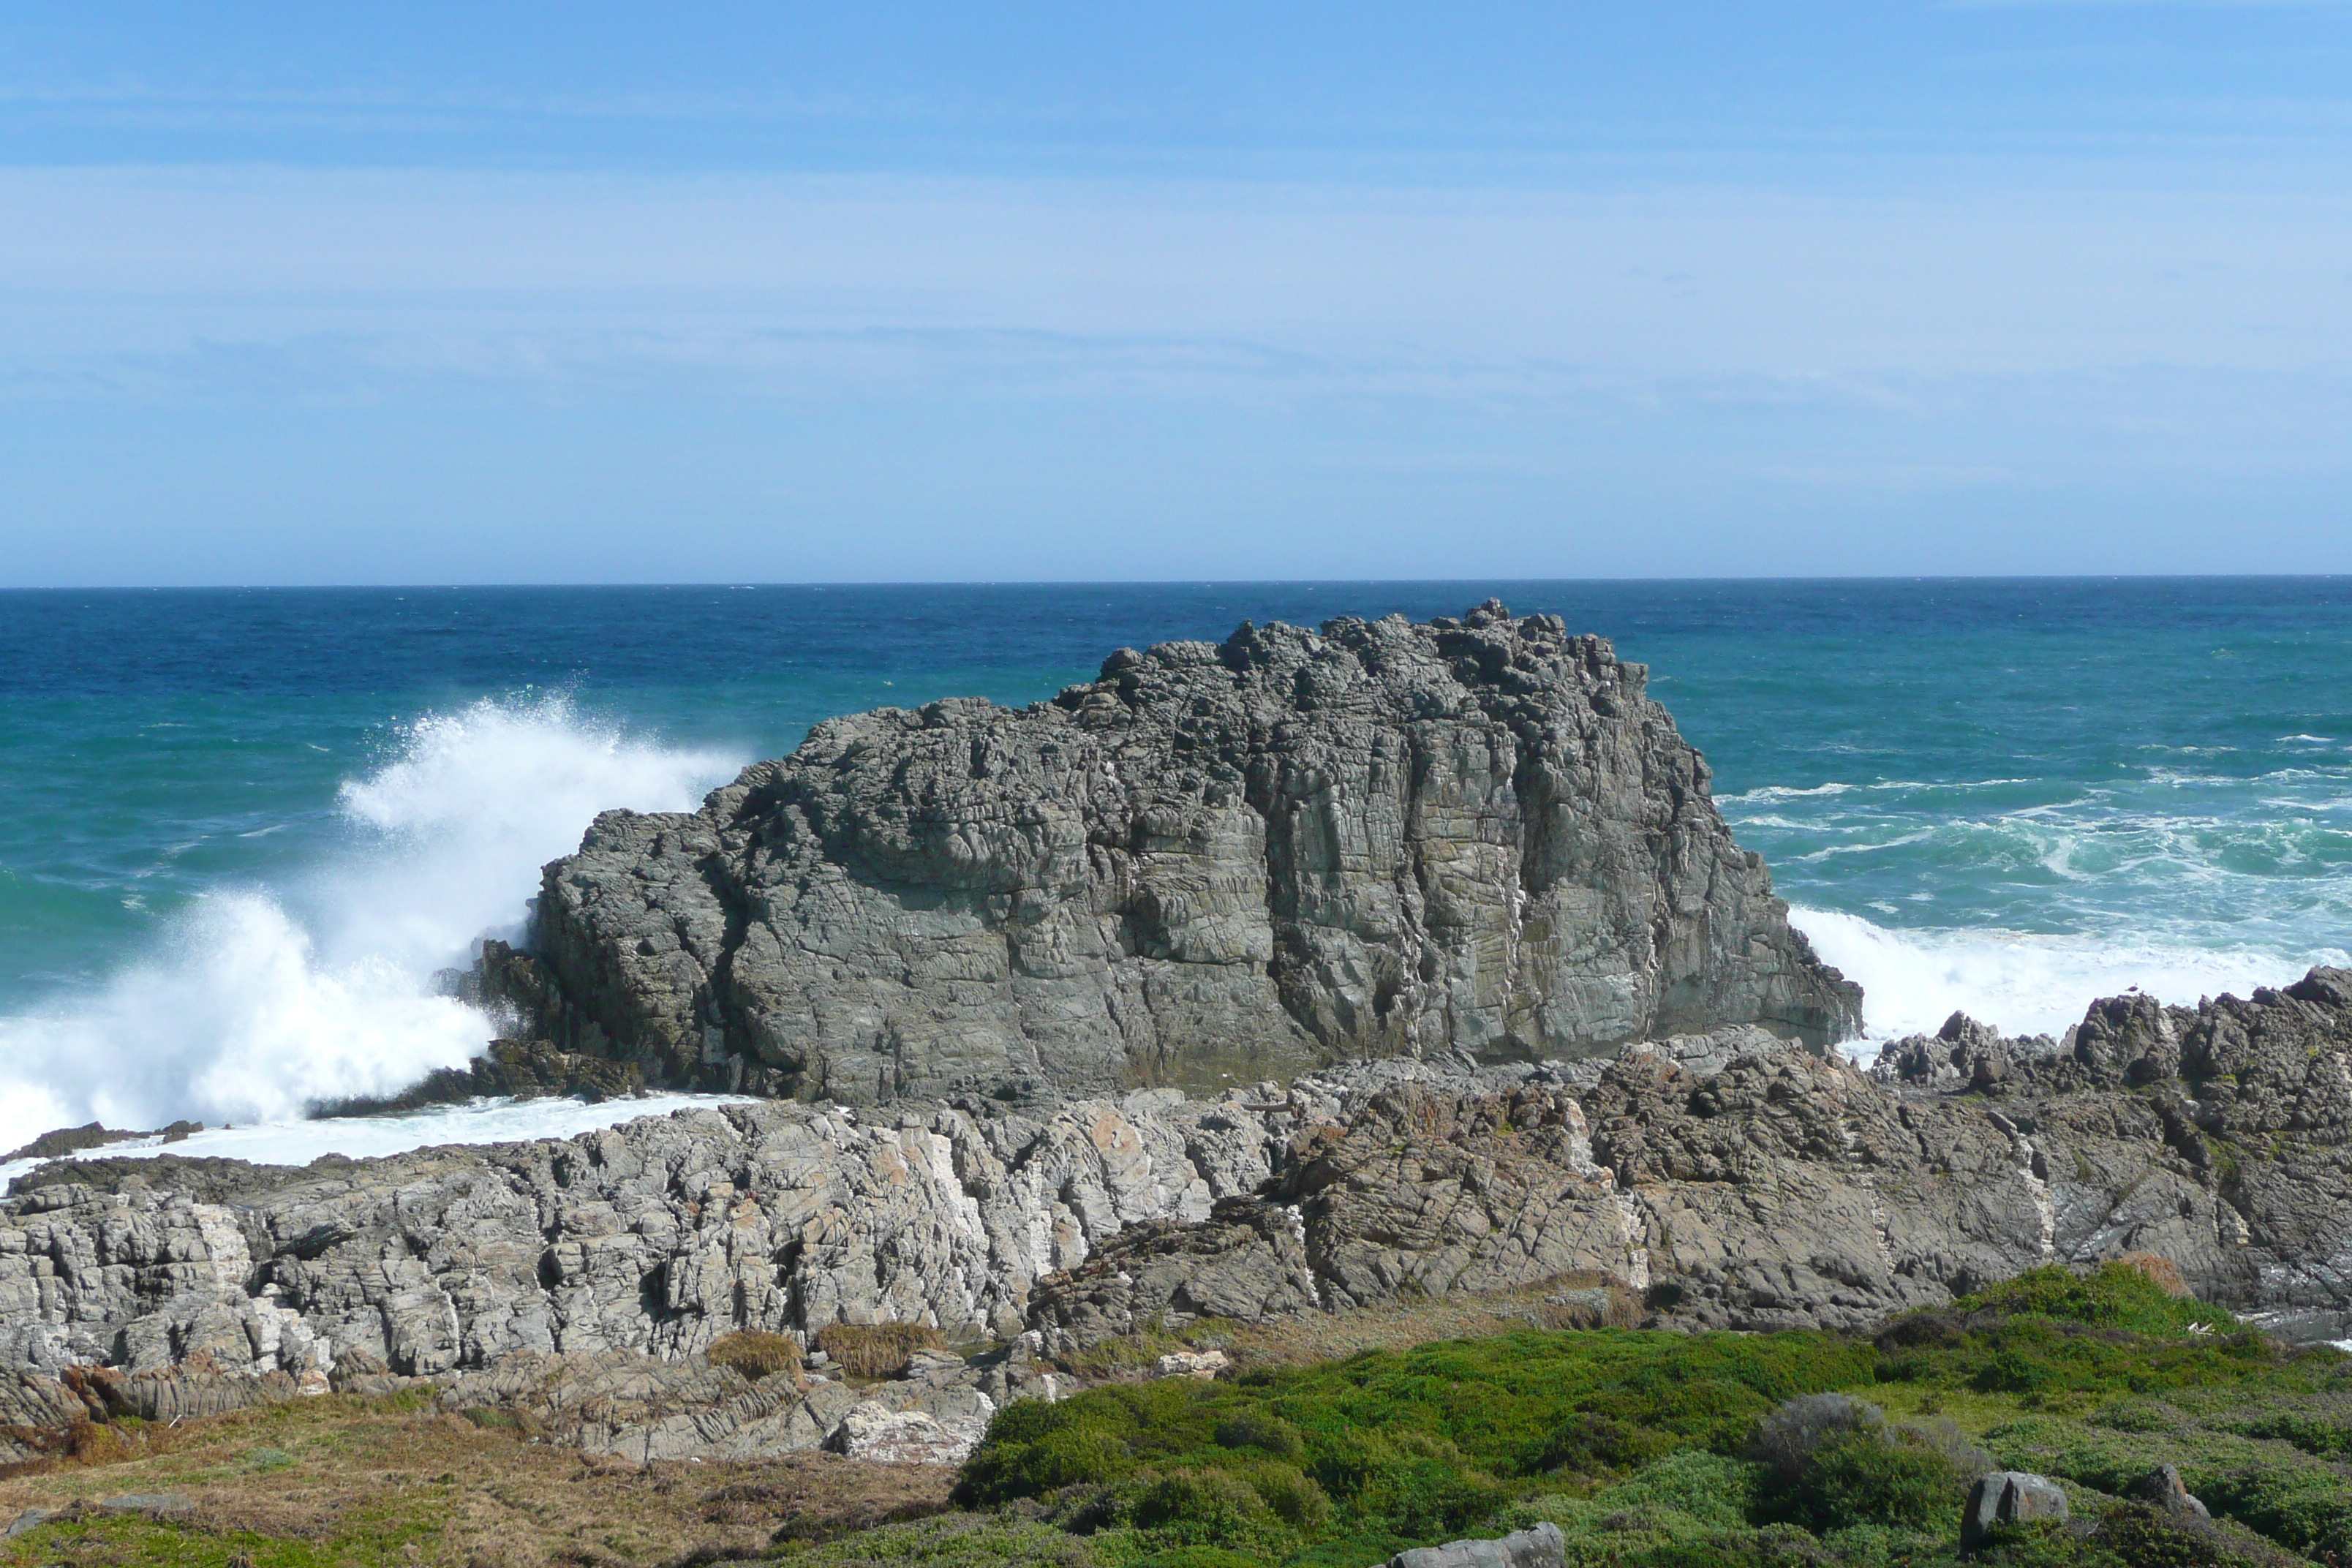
(240, 830)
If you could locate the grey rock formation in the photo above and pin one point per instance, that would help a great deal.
(1735, 1179)
(1542, 1547)
(2008, 1496)
(1216, 864)
(2162, 1487)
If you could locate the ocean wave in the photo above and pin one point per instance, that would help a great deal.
(2025, 983)
(297, 1142)
(255, 1003)
(1769, 795)
(1773, 793)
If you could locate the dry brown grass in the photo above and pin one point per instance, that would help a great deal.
(341, 1479)
(757, 1355)
(1391, 1325)
(877, 1349)
(2158, 1270)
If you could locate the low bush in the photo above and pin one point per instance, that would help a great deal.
(1878, 1479)
(877, 1349)
(2112, 1296)
(1663, 1450)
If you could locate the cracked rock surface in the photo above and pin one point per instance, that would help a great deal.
(1736, 1179)
(1217, 863)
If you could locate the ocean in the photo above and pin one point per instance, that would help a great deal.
(240, 830)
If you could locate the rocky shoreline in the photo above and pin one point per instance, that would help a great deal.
(1730, 1179)
(1305, 973)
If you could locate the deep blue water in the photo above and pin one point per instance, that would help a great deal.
(238, 829)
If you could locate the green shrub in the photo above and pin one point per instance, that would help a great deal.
(1262, 1430)
(1198, 1557)
(1210, 1508)
(2306, 1507)
(2112, 1296)
(1869, 1478)
(1590, 1442)
(1293, 1496)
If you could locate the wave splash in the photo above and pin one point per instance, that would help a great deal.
(2024, 983)
(259, 1002)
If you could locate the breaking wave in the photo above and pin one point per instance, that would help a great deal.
(2026, 983)
(257, 1002)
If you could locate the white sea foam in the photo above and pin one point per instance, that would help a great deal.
(260, 1001)
(1913, 980)
(298, 1143)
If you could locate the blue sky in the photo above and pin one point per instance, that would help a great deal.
(706, 292)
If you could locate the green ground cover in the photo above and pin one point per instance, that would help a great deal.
(1647, 1449)
(1672, 1449)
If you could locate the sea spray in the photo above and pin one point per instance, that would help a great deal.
(257, 1002)
(2022, 982)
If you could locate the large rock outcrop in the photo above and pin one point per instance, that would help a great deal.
(1216, 864)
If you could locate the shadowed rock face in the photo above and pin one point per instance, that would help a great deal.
(1216, 863)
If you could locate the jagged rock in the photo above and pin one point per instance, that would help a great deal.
(59, 1141)
(1541, 1547)
(1214, 863)
(2008, 1496)
(2163, 1488)
(1962, 1054)
(522, 1069)
(1200, 1365)
(1736, 1181)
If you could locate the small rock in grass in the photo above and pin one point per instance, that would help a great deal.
(1542, 1547)
(154, 1505)
(2163, 1487)
(2008, 1496)
(1194, 1364)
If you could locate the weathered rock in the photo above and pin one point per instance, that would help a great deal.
(520, 1070)
(1542, 1547)
(2163, 1488)
(2008, 1496)
(874, 1431)
(1201, 1364)
(1215, 863)
(1734, 1180)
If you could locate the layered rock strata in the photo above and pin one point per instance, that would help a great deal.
(1216, 863)
(1731, 1179)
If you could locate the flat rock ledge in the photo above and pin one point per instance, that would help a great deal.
(1730, 1179)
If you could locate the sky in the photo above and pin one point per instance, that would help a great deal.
(718, 292)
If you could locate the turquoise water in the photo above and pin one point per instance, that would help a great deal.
(238, 830)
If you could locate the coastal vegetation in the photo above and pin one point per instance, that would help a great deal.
(1648, 1449)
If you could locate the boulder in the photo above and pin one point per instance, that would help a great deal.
(1200, 1365)
(2008, 1496)
(872, 1431)
(1541, 1547)
(1214, 864)
(2162, 1487)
